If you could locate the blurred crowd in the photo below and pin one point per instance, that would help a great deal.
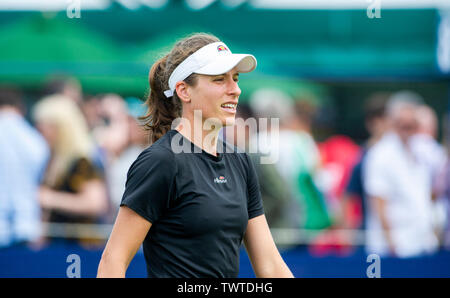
(69, 167)
(64, 159)
(389, 193)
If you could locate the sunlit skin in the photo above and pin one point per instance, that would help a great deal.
(208, 96)
(211, 92)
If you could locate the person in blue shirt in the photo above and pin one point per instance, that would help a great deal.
(23, 159)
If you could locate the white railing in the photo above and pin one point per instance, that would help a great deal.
(280, 236)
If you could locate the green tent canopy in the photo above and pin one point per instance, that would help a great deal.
(154, 48)
(51, 39)
(112, 50)
(36, 47)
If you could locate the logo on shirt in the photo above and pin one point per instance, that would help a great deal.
(220, 179)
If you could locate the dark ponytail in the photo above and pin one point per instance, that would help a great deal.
(162, 110)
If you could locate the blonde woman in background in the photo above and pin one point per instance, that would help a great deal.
(74, 190)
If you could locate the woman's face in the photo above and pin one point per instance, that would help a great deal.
(217, 97)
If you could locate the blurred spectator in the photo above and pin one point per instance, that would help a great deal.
(74, 190)
(92, 111)
(398, 187)
(442, 186)
(137, 139)
(339, 154)
(66, 86)
(354, 195)
(23, 158)
(350, 211)
(434, 157)
(91, 108)
(298, 157)
(274, 191)
(112, 134)
(443, 193)
(424, 143)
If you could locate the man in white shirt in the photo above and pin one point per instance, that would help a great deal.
(399, 188)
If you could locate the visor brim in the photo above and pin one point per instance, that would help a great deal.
(242, 62)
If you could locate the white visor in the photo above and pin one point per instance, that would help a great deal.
(213, 59)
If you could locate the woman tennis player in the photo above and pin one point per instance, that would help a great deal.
(192, 209)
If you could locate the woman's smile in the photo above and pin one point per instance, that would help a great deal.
(229, 107)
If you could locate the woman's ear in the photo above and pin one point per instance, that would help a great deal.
(182, 90)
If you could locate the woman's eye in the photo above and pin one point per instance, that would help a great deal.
(218, 79)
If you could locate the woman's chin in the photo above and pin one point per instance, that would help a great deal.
(229, 121)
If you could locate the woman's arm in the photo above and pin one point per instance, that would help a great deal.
(128, 233)
(262, 251)
(92, 200)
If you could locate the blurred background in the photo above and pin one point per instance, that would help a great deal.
(361, 88)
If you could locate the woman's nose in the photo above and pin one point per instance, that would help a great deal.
(233, 88)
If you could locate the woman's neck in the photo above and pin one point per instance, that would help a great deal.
(195, 132)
